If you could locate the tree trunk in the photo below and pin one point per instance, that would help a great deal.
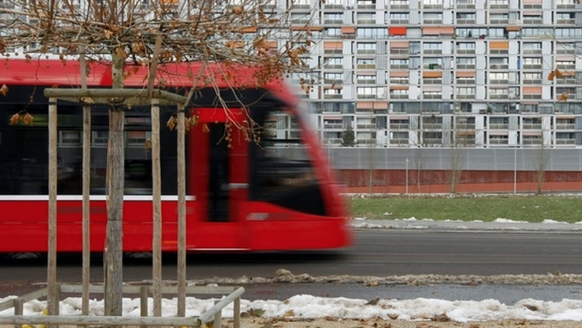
(113, 257)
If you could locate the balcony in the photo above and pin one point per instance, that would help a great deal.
(333, 126)
(533, 6)
(532, 142)
(332, 96)
(498, 126)
(399, 81)
(432, 141)
(366, 51)
(366, 96)
(333, 66)
(499, 81)
(399, 141)
(532, 66)
(333, 51)
(366, 81)
(432, 51)
(366, 126)
(565, 126)
(432, 126)
(432, 21)
(366, 21)
(466, 66)
(565, 141)
(333, 21)
(532, 126)
(333, 6)
(565, 51)
(366, 66)
(465, 6)
(433, 6)
(465, 51)
(465, 126)
(300, 21)
(333, 81)
(565, 21)
(366, 6)
(432, 81)
(498, 51)
(566, 80)
(399, 6)
(462, 21)
(565, 66)
(432, 96)
(498, 141)
(465, 81)
(398, 66)
(399, 21)
(465, 96)
(535, 81)
(399, 52)
(399, 126)
(499, 66)
(566, 6)
(499, 6)
(532, 21)
(532, 51)
(398, 96)
(499, 96)
(529, 97)
(503, 21)
(432, 66)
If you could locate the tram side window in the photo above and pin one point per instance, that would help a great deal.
(283, 173)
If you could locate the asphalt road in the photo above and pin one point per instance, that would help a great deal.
(377, 252)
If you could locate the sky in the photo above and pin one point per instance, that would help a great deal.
(307, 306)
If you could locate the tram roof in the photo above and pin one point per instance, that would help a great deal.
(57, 73)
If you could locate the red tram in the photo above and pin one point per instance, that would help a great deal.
(273, 195)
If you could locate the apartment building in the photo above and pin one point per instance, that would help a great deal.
(445, 73)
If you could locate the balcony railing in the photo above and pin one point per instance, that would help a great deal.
(337, 126)
(432, 126)
(399, 52)
(366, 66)
(333, 21)
(366, 51)
(529, 97)
(499, 6)
(466, 81)
(499, 51)
(399, 126)
(432, 21)
(466, 126)
(532, 51)
(466, 66)
(366, 21)
(566, 6)
(399, 21)
(565, 141)
(498, 126)
(399, 6)
(527, 21)
(403, 81)
(497, 96)
(499, 21)
(399, 66)
(499, 81)
(465, 51)
(432, 96)
(399, 141)
(465, 6)
(432, 51)
(332, 96)
(532, 66)
(365, 96)
(499, 66)
(565, 126)
(464, 96)
(498, 141)
(366, 126)
(465, 21)
(532, 81)
(532, 126)
(366, 81)
(432, 81)
(398, 96)
(333, 66)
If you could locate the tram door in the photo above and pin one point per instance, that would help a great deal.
(219, 162)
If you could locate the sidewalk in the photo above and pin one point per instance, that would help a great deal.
(499, 225)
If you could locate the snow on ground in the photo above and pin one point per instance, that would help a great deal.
(307, 306)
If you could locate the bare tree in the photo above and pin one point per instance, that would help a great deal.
(126, 35)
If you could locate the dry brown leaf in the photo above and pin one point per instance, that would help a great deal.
(172, 122)
(563, 97)
(28, 119)
(14, 119)
(148, 144)
(4, 90)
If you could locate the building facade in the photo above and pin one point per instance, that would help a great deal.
(445, 73)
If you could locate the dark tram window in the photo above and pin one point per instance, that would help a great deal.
(282, 172)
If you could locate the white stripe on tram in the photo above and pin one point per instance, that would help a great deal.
(93, 198)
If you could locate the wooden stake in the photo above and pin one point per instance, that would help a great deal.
(181, 213)
(53, 301)
(157, 205)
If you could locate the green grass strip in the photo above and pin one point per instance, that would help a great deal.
(469, 208)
